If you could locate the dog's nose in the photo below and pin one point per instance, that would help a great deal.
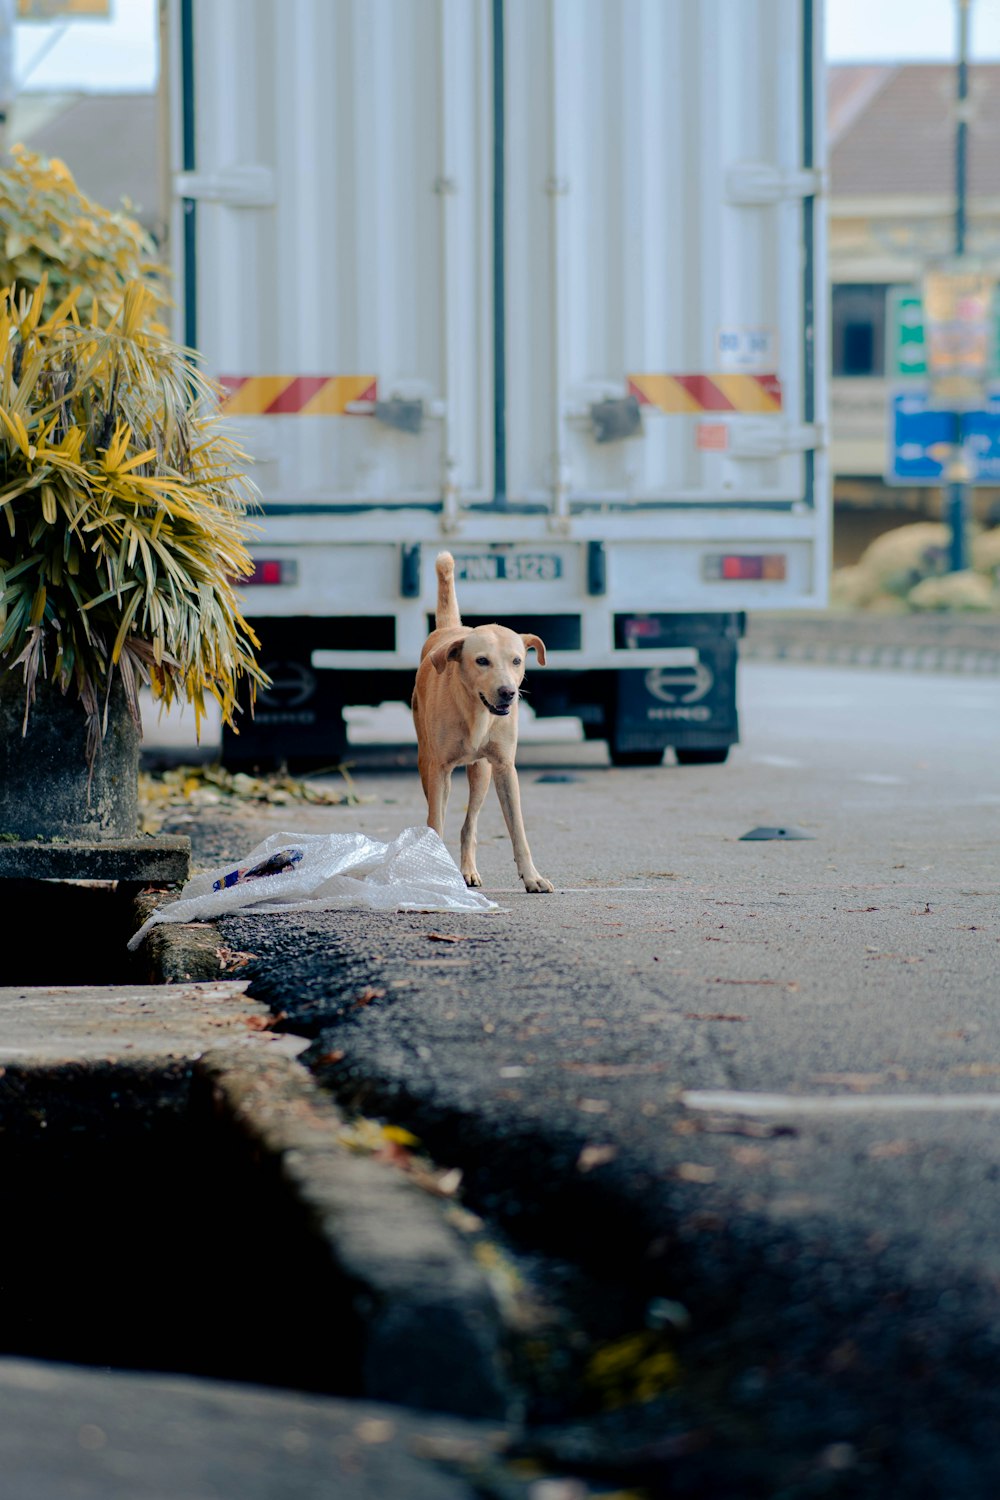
(505, 694)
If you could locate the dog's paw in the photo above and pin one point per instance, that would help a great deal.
(472, 877)
(537, 883)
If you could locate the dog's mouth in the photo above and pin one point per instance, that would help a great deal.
(500, 712)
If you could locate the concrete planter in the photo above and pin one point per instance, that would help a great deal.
(44, 789)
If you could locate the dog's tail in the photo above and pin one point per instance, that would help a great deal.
(447, 605)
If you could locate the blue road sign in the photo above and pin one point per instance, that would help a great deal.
(921, 438)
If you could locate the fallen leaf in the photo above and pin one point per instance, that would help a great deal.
(327, 1059)
(367, 995)
(229, 958)
(375, 1430)
(462, 1219)
(885, 1150)
(452, 963)
(710, 1015)
(717, 980)
(595, 1156)
(396, 1154)
(749, 1156)
(447, 937)
(442, 1184)
(756, 1129)
(612, 1070)
(693, 1171)
(857, 1081)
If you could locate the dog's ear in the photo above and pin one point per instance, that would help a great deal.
(446, 652)
(539, 647)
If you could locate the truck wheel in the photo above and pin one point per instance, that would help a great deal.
(714, 757)
(628, 758)
(298, 722)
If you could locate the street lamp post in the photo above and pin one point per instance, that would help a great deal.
(958, 504)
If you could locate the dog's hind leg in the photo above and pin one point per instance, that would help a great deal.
(479, 773)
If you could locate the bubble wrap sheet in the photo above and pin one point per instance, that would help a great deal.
(326, 871)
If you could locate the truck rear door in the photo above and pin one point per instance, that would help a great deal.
(334, 204)
(662, 270)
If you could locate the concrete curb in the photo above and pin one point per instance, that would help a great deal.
(111, 1435)
(432, 1331)
(906, 642)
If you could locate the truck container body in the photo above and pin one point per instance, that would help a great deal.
(537, 281)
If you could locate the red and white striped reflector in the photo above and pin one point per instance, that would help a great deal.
(691, 394)
(296, 395)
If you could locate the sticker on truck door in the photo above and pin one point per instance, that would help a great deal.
(752, 350)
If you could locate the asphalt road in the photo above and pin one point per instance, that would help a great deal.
(750, 1086)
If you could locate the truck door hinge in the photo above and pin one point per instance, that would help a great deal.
(749, 183)
(250, 186)
(771, 439)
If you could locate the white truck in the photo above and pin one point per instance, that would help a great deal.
(537, 281)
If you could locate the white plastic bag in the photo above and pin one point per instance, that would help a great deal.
(322, 871)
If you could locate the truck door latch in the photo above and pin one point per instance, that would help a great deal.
(614, 418)
(403, 415)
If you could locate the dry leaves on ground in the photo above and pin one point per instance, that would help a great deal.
(214, 786)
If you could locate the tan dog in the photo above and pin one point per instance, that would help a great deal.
(465, 712)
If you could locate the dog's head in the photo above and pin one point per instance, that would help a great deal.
(491, 662)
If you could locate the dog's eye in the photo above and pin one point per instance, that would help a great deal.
(517, 661)
(482, 661)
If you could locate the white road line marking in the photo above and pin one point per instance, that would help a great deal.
(580, 890)
(784, 761)
(875, 779)
(724, 1101)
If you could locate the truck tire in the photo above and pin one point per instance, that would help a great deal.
(297, 724)
(713, 757)
(627, 758)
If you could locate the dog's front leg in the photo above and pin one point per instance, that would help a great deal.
(509, 794)
(479, 774)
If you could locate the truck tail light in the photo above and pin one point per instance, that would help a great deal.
(771, 567)
(272, 570)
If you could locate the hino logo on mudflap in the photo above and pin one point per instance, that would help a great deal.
(292, 684)
(673, 686)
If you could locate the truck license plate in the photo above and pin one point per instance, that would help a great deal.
(518, 567)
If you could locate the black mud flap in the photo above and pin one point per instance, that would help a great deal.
(298, 722)
(690, 705)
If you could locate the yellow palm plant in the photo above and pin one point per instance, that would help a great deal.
(123, 513)
(52, 233)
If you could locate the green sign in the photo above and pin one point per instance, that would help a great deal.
(906, 343)
(906, 347)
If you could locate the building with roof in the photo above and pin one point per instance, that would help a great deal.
(110, 142)
(892, 147)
